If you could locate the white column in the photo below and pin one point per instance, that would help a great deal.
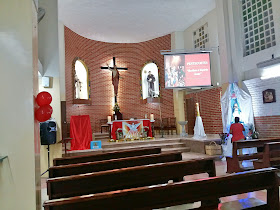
(177, 42)
(224, 41)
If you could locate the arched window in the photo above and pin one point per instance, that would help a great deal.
(81, 80)
(150, 81)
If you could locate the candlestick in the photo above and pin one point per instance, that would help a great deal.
(109, 119)
(152, 117)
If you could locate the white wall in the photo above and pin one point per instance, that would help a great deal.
(247, 65)
(55, 149)
(52, 59)
(256, 87)
(61, 42)
(211, 19)
(48, 39)
(19, 177)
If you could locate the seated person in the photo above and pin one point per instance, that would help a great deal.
(236, 129)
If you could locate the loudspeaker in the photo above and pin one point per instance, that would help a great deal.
(48, 132)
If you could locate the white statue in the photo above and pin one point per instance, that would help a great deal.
(78, 87)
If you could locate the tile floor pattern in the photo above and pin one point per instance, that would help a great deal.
(220, 170)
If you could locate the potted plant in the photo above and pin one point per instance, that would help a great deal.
(117, 115)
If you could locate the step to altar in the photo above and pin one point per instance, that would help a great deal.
(104, 137)
(169, 143)
(166, 144)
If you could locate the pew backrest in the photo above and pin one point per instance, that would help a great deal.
(125, 178)
(233, 162)
(106, 156)
(160, 196)
(81, 168)
(271, 155)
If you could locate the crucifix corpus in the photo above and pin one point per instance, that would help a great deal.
(115, 76)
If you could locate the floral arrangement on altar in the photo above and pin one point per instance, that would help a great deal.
(223, 137)
(116, 108)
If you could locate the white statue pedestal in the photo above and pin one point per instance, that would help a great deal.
(183, 123)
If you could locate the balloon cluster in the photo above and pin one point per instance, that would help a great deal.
(44, 112)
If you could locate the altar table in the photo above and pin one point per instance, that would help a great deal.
(133, 124)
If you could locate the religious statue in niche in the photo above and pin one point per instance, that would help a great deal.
(150, 81)
(151, 87)
(81, 83)
(78, 87)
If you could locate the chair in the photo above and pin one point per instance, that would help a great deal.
(157, 125)
(172, 124)
(165, 124)
(103, 123)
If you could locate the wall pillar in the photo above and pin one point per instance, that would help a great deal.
(177, 42)
(20, 182)
(49, 55)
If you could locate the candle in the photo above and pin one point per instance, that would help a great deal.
(152, 117)
(197, 109)
(109, 119)
(146, 116)
(116, 117)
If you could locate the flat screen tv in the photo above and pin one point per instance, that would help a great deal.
(187, 70)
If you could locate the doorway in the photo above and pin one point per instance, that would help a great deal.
(190, 111)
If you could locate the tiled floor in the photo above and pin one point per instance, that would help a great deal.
(220, 170)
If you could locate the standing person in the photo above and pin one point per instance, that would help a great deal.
(236, 129)
(151, 88)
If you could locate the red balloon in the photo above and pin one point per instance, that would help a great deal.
(44, 113)
(43, 98)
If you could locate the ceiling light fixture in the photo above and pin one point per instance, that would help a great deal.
(271, 68)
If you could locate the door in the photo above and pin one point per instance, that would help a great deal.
(190, 110)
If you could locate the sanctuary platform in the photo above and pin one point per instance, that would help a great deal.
(168, 143)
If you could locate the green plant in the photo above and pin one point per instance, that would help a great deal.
(116, 108)
(223, 137)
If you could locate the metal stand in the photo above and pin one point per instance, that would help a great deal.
(183, 123)
(161, 124)
(48, 148)
(161, 128)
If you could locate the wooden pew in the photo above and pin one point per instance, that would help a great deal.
(160, 196)
(271, 156)
(233, 162)
(117, 179)
(106, 156)
(81, 168)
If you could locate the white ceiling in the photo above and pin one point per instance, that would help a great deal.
(130, 21)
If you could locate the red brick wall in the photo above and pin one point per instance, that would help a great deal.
(133, 56)
(268, 126)
(210, 109)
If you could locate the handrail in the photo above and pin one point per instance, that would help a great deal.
(2, 158)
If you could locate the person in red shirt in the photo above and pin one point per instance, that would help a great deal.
(236, 130)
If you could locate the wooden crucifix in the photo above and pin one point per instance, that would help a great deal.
(115, 76)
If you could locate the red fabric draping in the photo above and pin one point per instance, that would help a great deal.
(118, 124)
(80, 132)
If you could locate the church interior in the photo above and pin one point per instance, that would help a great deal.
(137, 104)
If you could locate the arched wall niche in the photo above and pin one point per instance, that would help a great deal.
(81, 82)
(150, 84)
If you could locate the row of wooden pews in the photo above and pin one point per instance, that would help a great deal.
(123, 180)
(233, 162)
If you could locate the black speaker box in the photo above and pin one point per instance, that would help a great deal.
(48, 132)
